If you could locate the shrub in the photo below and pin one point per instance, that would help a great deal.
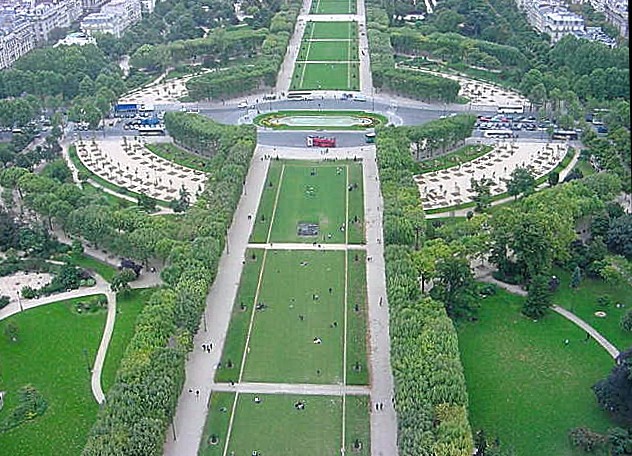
(31, 404)
(626, 321)
(4, 301)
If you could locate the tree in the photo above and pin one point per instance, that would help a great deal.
(538, 299)
(576, 278)
(483, 193)
(182, 203)
(454, 286)
(553, 178)
(614, 393)
(619, 237)
(120, 281)
(521, 181)
(626, 321)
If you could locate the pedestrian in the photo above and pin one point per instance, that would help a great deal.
(381, 406)
(197, 394)
(380, 301)
(330, 290)
(204, 347)
(377, 406)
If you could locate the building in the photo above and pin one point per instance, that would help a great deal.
(555, 21)
(16, 39)
(616, 12)
(114, 18)
(76, 39)
(49, 16)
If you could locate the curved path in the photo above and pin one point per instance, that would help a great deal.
(485, 275)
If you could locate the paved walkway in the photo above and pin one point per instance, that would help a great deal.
(463, 212)
(292, 388)
(484, 274)
(303, 246)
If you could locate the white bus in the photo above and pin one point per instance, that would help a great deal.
(151, 130)
(498, 134)
(511, 109)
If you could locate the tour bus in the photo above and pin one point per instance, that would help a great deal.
(511, 109)
(301, 96)
(369, 137)
(320, 141)
(565, 134)
(498, 134)
(151, 130)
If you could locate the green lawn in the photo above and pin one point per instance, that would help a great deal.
(357, 337)
(341, 51)
(242, 309)
(128, 306)
(173, 153)
(583, 303)
(330, 30)
(92, 264)
(55, 345)
(282, 347)
(525, 386)
(333, 7)
(326, 76)
(311, 192)
(358, 426)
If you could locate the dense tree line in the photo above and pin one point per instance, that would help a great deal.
(404, 82)
(431, 396)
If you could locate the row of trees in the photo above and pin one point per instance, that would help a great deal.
(253, 74)
(431, 395)
(409, 83)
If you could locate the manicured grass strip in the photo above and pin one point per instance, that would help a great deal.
(357, 368)
(519, 371)
(276, 427)
(266, 204)
(173, 153)
(331, 30)
(268, 119)
(217, 419)
(282, 347)
(106, 198)
(356, 204)
(584, 302)
(128, 306)
(311, 192)
(358, 429)
(333, 7)
(72, 153)
(234, 345)
(326, 76)
(335, 51)
(55, 349)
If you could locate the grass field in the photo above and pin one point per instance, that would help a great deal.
(525, 386)
(330, 30)
(128, 306)
(326, 76)
(276, 427)
(55, 345)
(311, 192)
(333, 7)
(341, 51)
(281, 344)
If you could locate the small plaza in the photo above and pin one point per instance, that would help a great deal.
(452, 186)
(129, 164)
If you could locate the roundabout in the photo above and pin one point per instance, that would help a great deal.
(331, 120)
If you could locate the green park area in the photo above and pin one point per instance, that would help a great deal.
(333, 7)
(334, 51)
(277, 424)
(326, 76)
(526, 386)
(297, 334)
(330, 31)
(326, 194)
(51, 348)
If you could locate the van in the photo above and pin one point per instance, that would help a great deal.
(243, 105)
(359, 98)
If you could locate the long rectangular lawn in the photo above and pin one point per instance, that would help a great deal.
(331, 30)
(326, 76)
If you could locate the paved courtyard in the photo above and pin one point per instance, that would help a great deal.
(12, 284)
(129, 164)
(452, 186)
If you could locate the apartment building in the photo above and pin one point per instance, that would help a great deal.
(114, 18)
(16, 39)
